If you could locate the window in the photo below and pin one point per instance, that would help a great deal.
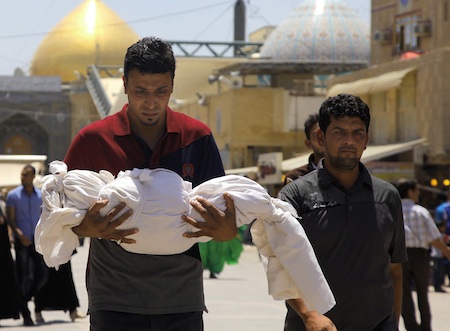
(406, 37)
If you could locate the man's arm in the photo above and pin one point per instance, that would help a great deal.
(312, 319)
(11, 212)
(439, 244)
(396, 273)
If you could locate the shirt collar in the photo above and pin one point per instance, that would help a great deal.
(326, 178)
(311, 162)
(24, 190)
(121, 124)
(408, 203)
(122, 127)
(171, 122)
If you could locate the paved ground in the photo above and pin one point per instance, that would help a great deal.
(236, 301)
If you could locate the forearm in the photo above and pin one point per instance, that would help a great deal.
(299, 306)
(439, 244)
(11, 214)
(17, 233)
(396, 273)
(14, 229)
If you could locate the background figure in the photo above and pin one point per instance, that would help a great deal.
(311, 128)
(420, 233)
(58, 293)
(441, 215)
(441, 210)
(216, 254)
(23, 211)
(9, 293)
(440, 262)
(353, 221)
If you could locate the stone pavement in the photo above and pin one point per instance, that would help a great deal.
(237, 301)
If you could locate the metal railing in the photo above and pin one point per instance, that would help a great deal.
(97, 92)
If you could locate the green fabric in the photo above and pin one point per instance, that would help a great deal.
(215, 254)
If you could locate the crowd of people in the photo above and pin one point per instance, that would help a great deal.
(371, 239)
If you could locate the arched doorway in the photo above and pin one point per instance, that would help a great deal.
(17, 145)
(21, 135)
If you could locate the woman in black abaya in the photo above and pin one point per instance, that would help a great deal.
(8, 284)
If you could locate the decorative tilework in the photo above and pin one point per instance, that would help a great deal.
(320, 30)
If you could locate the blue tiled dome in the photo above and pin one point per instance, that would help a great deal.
(320, 31)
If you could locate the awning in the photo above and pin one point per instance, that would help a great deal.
(371, 85)
(11, 168)
(371, 153)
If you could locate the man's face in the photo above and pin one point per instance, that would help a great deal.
(148, 97)
(344, 142)
(414, 194)
(27, 177)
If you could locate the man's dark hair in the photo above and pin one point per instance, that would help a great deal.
(309, 123)
(343, 105)
(29, 166)
(442, 196)
(404, 185)
(150, 55)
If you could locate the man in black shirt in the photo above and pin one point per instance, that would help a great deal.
(354, 222)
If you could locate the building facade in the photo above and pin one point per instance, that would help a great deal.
(405, 86)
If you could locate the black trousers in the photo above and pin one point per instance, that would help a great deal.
(116, 321)
(416, 271)
(32, 274)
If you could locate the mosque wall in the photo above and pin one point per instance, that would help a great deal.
(34, 123)
(83, 111)
(247, 122)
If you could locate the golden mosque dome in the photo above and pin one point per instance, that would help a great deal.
(91, 34)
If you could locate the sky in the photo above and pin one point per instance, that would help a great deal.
(24, 23)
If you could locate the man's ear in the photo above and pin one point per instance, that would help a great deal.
(308, 144)
(320, 135)
(367, 140)
(124, 84)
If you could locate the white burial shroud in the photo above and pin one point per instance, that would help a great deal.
(158, 198)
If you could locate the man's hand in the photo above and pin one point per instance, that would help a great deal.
(312, 320)
(316, 322)
(95, 226)
(220, 225)
(24, 240)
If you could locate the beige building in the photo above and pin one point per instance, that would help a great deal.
(405, 86)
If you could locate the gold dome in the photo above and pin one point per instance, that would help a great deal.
(91, 34)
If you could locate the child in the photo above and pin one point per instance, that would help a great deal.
(158, 198)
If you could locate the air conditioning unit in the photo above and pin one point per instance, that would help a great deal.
(234, 82)
(423, 28)
(237, 82)
(383, 36)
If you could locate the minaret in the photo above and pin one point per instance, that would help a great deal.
(239, 23)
